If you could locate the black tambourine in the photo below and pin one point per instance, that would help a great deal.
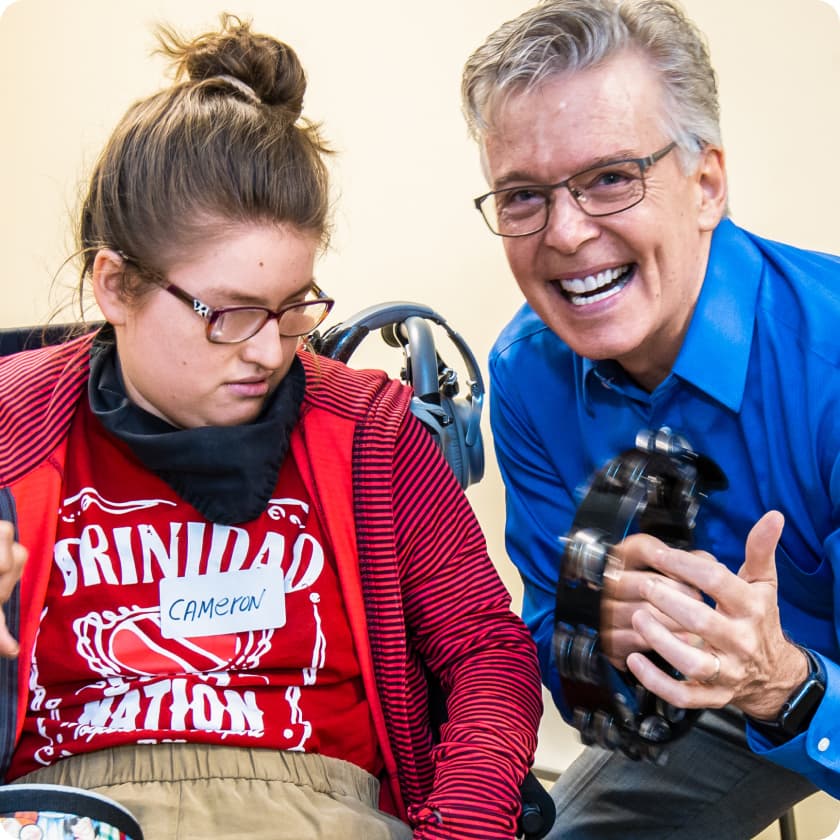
(657, 487)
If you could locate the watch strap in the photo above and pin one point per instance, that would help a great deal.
(799, 709)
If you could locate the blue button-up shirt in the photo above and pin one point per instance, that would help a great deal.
(756, 387)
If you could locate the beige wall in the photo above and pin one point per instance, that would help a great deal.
(384, 79)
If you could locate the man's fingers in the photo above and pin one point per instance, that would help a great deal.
(760, 552)
(630, 586)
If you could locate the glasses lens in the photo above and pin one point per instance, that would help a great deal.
(608, 189)
(232, 325)
(516, 212)
(302, 319)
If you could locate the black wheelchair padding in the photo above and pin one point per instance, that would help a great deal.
(15, 339)
(452, 420)
(655, 488)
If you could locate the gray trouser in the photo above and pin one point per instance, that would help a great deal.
(711, 786)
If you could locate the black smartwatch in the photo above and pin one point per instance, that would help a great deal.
(798, 710)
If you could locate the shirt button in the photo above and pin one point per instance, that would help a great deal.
(823, 744)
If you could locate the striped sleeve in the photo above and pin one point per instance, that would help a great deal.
(459, 621)
(39, 390)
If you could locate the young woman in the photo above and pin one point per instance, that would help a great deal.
(244, 561)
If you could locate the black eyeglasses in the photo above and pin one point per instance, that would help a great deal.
(234, 324)
(599, 191)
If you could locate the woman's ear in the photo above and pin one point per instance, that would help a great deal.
(713, 190)
(107, 281)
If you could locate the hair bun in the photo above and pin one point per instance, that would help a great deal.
(270, 68)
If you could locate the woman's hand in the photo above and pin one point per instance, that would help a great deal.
(12, 557)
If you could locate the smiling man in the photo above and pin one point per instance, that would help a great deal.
(646, 306)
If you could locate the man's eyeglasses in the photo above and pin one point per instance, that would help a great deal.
(599, 191)
(233, 324)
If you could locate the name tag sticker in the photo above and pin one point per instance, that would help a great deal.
(222, 602)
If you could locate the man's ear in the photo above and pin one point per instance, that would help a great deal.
(712, 186)
(107, 281)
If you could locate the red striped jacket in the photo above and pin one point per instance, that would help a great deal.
(422, 595)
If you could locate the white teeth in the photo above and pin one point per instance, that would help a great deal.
(579, 300)
(591, 282)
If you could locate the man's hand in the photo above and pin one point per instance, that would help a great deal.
(12, 557)
(743, 656)
(626, 577)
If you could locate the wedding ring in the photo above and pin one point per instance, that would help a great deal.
(716, 674)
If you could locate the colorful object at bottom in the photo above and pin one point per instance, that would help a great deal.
(56, 812)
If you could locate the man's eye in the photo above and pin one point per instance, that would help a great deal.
(609, 178)
(606, 179)
(519, 200)
(526, 196)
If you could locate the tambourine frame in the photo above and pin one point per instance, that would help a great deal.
(655, 488)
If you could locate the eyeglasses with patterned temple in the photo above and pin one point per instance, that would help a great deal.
(234, 324)
(601, 190)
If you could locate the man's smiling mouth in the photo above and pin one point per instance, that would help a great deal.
(581, 291)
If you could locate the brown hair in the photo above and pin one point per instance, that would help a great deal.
(224, 145)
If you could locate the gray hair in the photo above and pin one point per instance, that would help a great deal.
(561, 36)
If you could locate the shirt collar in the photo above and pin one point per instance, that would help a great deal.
(716, 351)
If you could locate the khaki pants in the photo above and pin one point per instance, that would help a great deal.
(199, 792)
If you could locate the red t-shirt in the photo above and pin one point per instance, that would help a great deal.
(105, 669)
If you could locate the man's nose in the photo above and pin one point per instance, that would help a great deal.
(568, 226)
